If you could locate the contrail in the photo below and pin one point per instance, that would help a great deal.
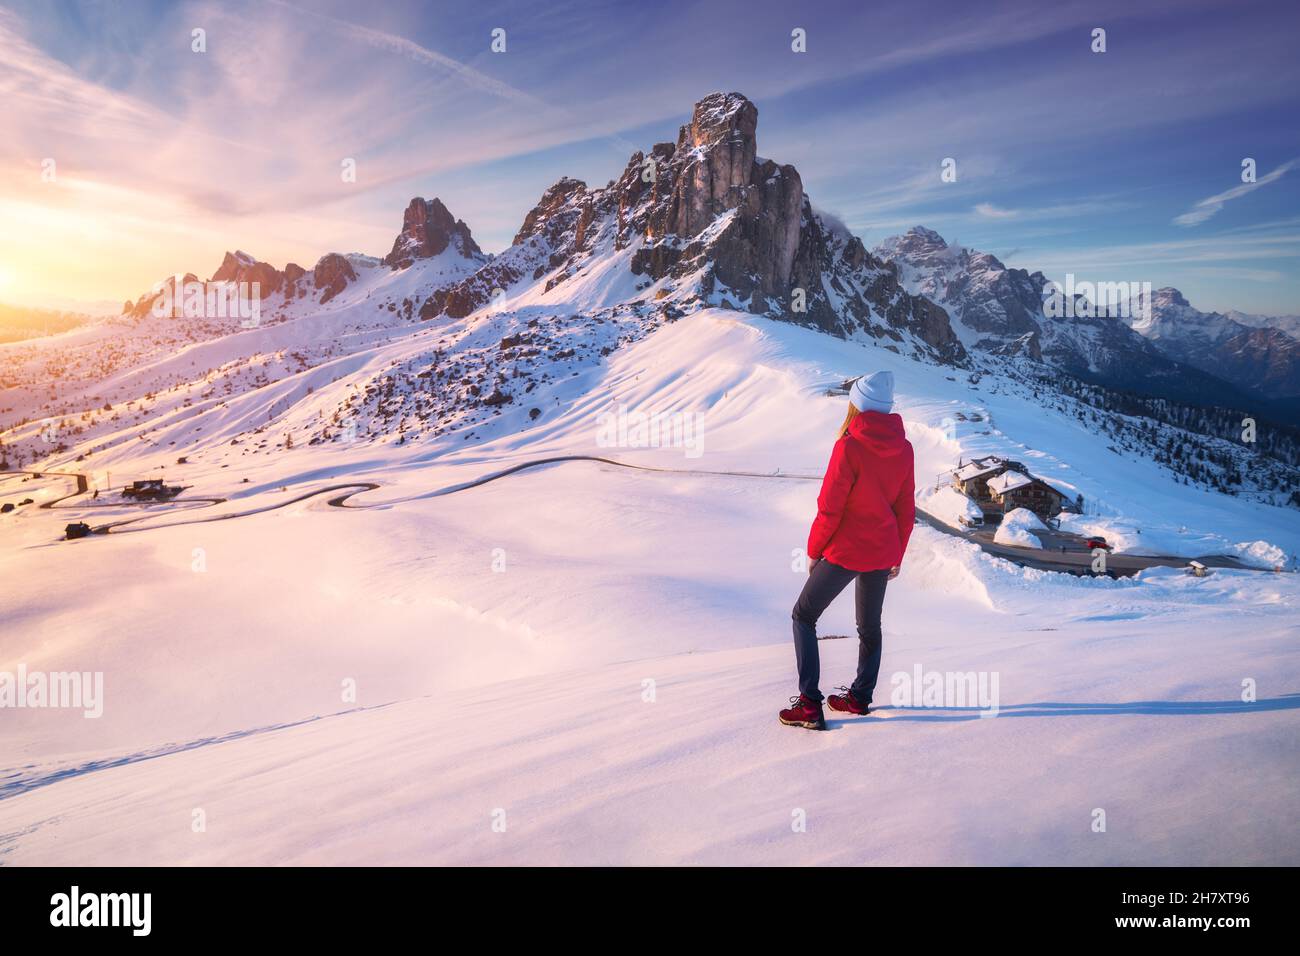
(420, 54)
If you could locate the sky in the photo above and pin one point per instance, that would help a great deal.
(126, 155)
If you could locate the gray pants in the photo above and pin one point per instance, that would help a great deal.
(824, 585)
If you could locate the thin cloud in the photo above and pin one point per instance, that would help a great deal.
(393, 43)
(1090, 207)
(1210, 207)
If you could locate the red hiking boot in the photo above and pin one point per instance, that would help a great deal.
(846, 703)
(803, 712)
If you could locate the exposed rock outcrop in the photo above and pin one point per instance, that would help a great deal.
(292, 273)
(241, 267)
(144, 305)
(712, 217)
(428, 229)
(332, 273)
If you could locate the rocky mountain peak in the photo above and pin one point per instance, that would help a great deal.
(722, 118)
(714, 224)
(231, 264)
(239, 266)
(557, 198)
(920, 237)
(428, 229)
(1264, 359)
(1168, 297)
(923, 246)
(332, 274)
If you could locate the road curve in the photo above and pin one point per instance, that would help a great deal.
(1078, 563)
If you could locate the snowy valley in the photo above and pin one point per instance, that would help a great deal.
(339, 644)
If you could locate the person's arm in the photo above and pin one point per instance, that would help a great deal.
(905, 510)
(830, 503)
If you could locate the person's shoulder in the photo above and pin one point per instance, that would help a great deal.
(849, 446)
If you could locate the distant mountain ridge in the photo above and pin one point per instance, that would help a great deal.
(18, 322)
(1260, 356)
(1178, 352)
(706, 221)
(437, 343)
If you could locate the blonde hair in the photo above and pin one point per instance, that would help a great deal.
(844, 428)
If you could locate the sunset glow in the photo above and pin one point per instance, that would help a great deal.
(165, 158)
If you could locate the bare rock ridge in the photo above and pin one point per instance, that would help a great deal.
(332, 273)
(241, 267)
(708, 213)
(428, 229)
(705, 218)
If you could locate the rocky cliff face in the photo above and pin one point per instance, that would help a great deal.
(711, 180)
(709, 220)
(428, 230)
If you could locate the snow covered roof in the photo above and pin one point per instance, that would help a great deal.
(976, 468)
(1007, 481)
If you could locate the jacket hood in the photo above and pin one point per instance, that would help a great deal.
(882, 434)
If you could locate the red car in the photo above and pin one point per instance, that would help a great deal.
(1096, 542)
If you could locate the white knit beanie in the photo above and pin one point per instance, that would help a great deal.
(873, 393)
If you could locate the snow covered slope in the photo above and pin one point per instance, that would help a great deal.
(340, 645)
(500, 640)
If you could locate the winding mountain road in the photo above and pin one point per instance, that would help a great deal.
(1073, 562)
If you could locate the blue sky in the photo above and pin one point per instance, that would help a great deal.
(1123, 165)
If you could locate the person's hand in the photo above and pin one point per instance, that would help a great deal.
(812, 564)
(893, 573)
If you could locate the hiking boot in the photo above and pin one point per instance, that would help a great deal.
(846, 703)
(803, 712)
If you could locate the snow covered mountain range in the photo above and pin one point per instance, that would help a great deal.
(1171, 350)
(1259, 355)
(400, 502)
(452, 339)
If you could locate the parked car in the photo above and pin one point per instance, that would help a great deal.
(1095, 542)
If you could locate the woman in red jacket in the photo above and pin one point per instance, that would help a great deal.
(864, 518)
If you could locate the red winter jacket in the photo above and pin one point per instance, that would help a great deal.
(866, 509)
